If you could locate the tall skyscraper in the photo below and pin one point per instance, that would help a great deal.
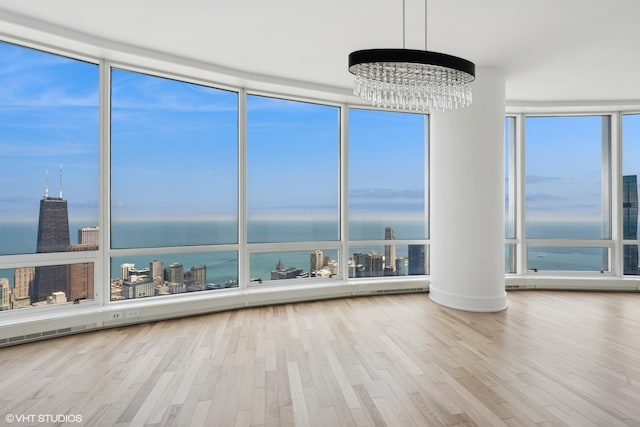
(23, 278)
(390, 250)
(373, 266)
(4, 294)
(316, 261)
(125, 269)
(416, 259)
(89, 236)
(53, 223)
(359, 258)
(196, 278)
(174, 273)
(53, 236)
(80, 281)
(156, 267)
(630, 222)
(359, 261)
(81, 274)
(199, 274)
(352, 268)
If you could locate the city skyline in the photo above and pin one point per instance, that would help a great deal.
(52, 284)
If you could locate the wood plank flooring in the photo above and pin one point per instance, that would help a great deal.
(550, 359)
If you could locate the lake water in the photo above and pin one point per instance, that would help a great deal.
(16, 238)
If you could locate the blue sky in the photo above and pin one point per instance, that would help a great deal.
(292, 159)
(46, 119)
(174, 151)
(174, 148)
(386, 158)
(563, 168)
(631, 144)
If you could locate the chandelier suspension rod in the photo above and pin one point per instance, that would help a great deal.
(425, 24)
(404, 31)
(404, 24)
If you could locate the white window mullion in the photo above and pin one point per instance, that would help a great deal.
(519, 148)
(343, 182)
(427, 191)
(244, 274)
(606, 187)
(617, 252)
(102, 273)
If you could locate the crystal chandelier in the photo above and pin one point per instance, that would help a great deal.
(413, 80)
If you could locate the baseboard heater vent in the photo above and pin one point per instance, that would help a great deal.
(399, 290)
(516, 287)
(22, 339)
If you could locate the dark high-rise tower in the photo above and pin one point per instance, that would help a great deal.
(53, 226)
(53, 236)
(630, 222)
(416, 259)
(373, 267)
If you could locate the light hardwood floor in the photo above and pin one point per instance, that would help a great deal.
(552, 358)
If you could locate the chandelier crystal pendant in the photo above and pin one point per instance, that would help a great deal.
(412, 80)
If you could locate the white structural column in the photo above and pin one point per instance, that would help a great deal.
(467, 200)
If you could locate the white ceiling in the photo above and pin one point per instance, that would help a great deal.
(550, 50)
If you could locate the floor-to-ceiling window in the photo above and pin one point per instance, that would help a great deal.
(567, 193)
(510, 193)
(174, 186)
(49, 135)
(292, 189)
(388, 203)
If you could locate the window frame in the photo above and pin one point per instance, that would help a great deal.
(610, 157)
(348, 242)
(111, 253)
(13, 261)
